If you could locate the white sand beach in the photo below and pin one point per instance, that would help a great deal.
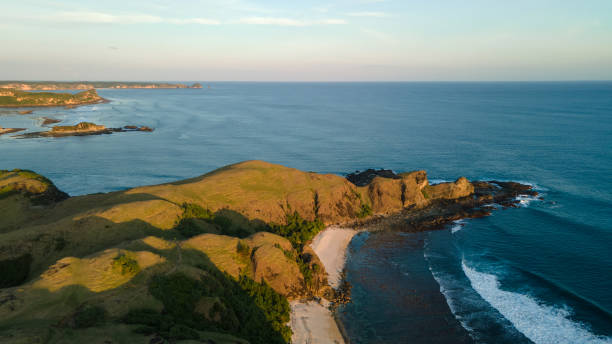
(330, 245)
(311, 321)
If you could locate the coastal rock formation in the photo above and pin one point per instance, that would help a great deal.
(10, 130)
(82, 129)
(46, 121)
(17, 98)
(460, 188)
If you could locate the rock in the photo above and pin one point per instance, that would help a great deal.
(10, 130)
(460, 188)
(47, 121)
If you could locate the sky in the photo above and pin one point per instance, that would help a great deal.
(307, 40)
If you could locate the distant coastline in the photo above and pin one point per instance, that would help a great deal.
(86, 85)
(13, 98)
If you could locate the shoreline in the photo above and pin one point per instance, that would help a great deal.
(311, 321)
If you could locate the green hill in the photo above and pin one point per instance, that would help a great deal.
(213, 258)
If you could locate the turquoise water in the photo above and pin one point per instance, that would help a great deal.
(539, 273)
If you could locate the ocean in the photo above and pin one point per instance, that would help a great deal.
(538, 273)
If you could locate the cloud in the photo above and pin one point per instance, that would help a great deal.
(105, 18)
(367, 14)
(289, 21)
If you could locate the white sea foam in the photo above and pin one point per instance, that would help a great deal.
(524, 200)
(540, 323)
(438, 181)
(457, 226)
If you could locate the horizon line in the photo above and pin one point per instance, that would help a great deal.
(317, 81)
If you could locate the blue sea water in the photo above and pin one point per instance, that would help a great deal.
(539, 273)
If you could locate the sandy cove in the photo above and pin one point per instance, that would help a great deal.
(312, 322)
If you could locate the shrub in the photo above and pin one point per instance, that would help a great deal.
(297, 230)
(247, 309)
(365, 211)
(192, 210)
(177, 292)
(243, 248)
(126, 265)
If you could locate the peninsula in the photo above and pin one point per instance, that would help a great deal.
(214, 258)
(85, 85)
(16, 98)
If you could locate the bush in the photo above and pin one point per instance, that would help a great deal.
(297, 230)
(365, 211)
(89, 316)
(243, 248)
(177, 292)
(126, 265)
(194, 211)
(247, 309)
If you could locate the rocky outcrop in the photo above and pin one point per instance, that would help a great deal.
(10, 130)
(82, 129)
(460, 188)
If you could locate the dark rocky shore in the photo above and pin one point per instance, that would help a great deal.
(441, 211)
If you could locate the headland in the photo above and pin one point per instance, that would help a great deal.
(216, 257)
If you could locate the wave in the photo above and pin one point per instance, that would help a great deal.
(538, 322)
(524, 200)
(457, 226)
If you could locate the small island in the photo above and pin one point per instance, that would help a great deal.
(82, 129)
(17, 98)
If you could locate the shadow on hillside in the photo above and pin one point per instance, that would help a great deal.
(196, 296)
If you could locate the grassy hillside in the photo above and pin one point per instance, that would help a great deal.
(16, 98)
(209, 258)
